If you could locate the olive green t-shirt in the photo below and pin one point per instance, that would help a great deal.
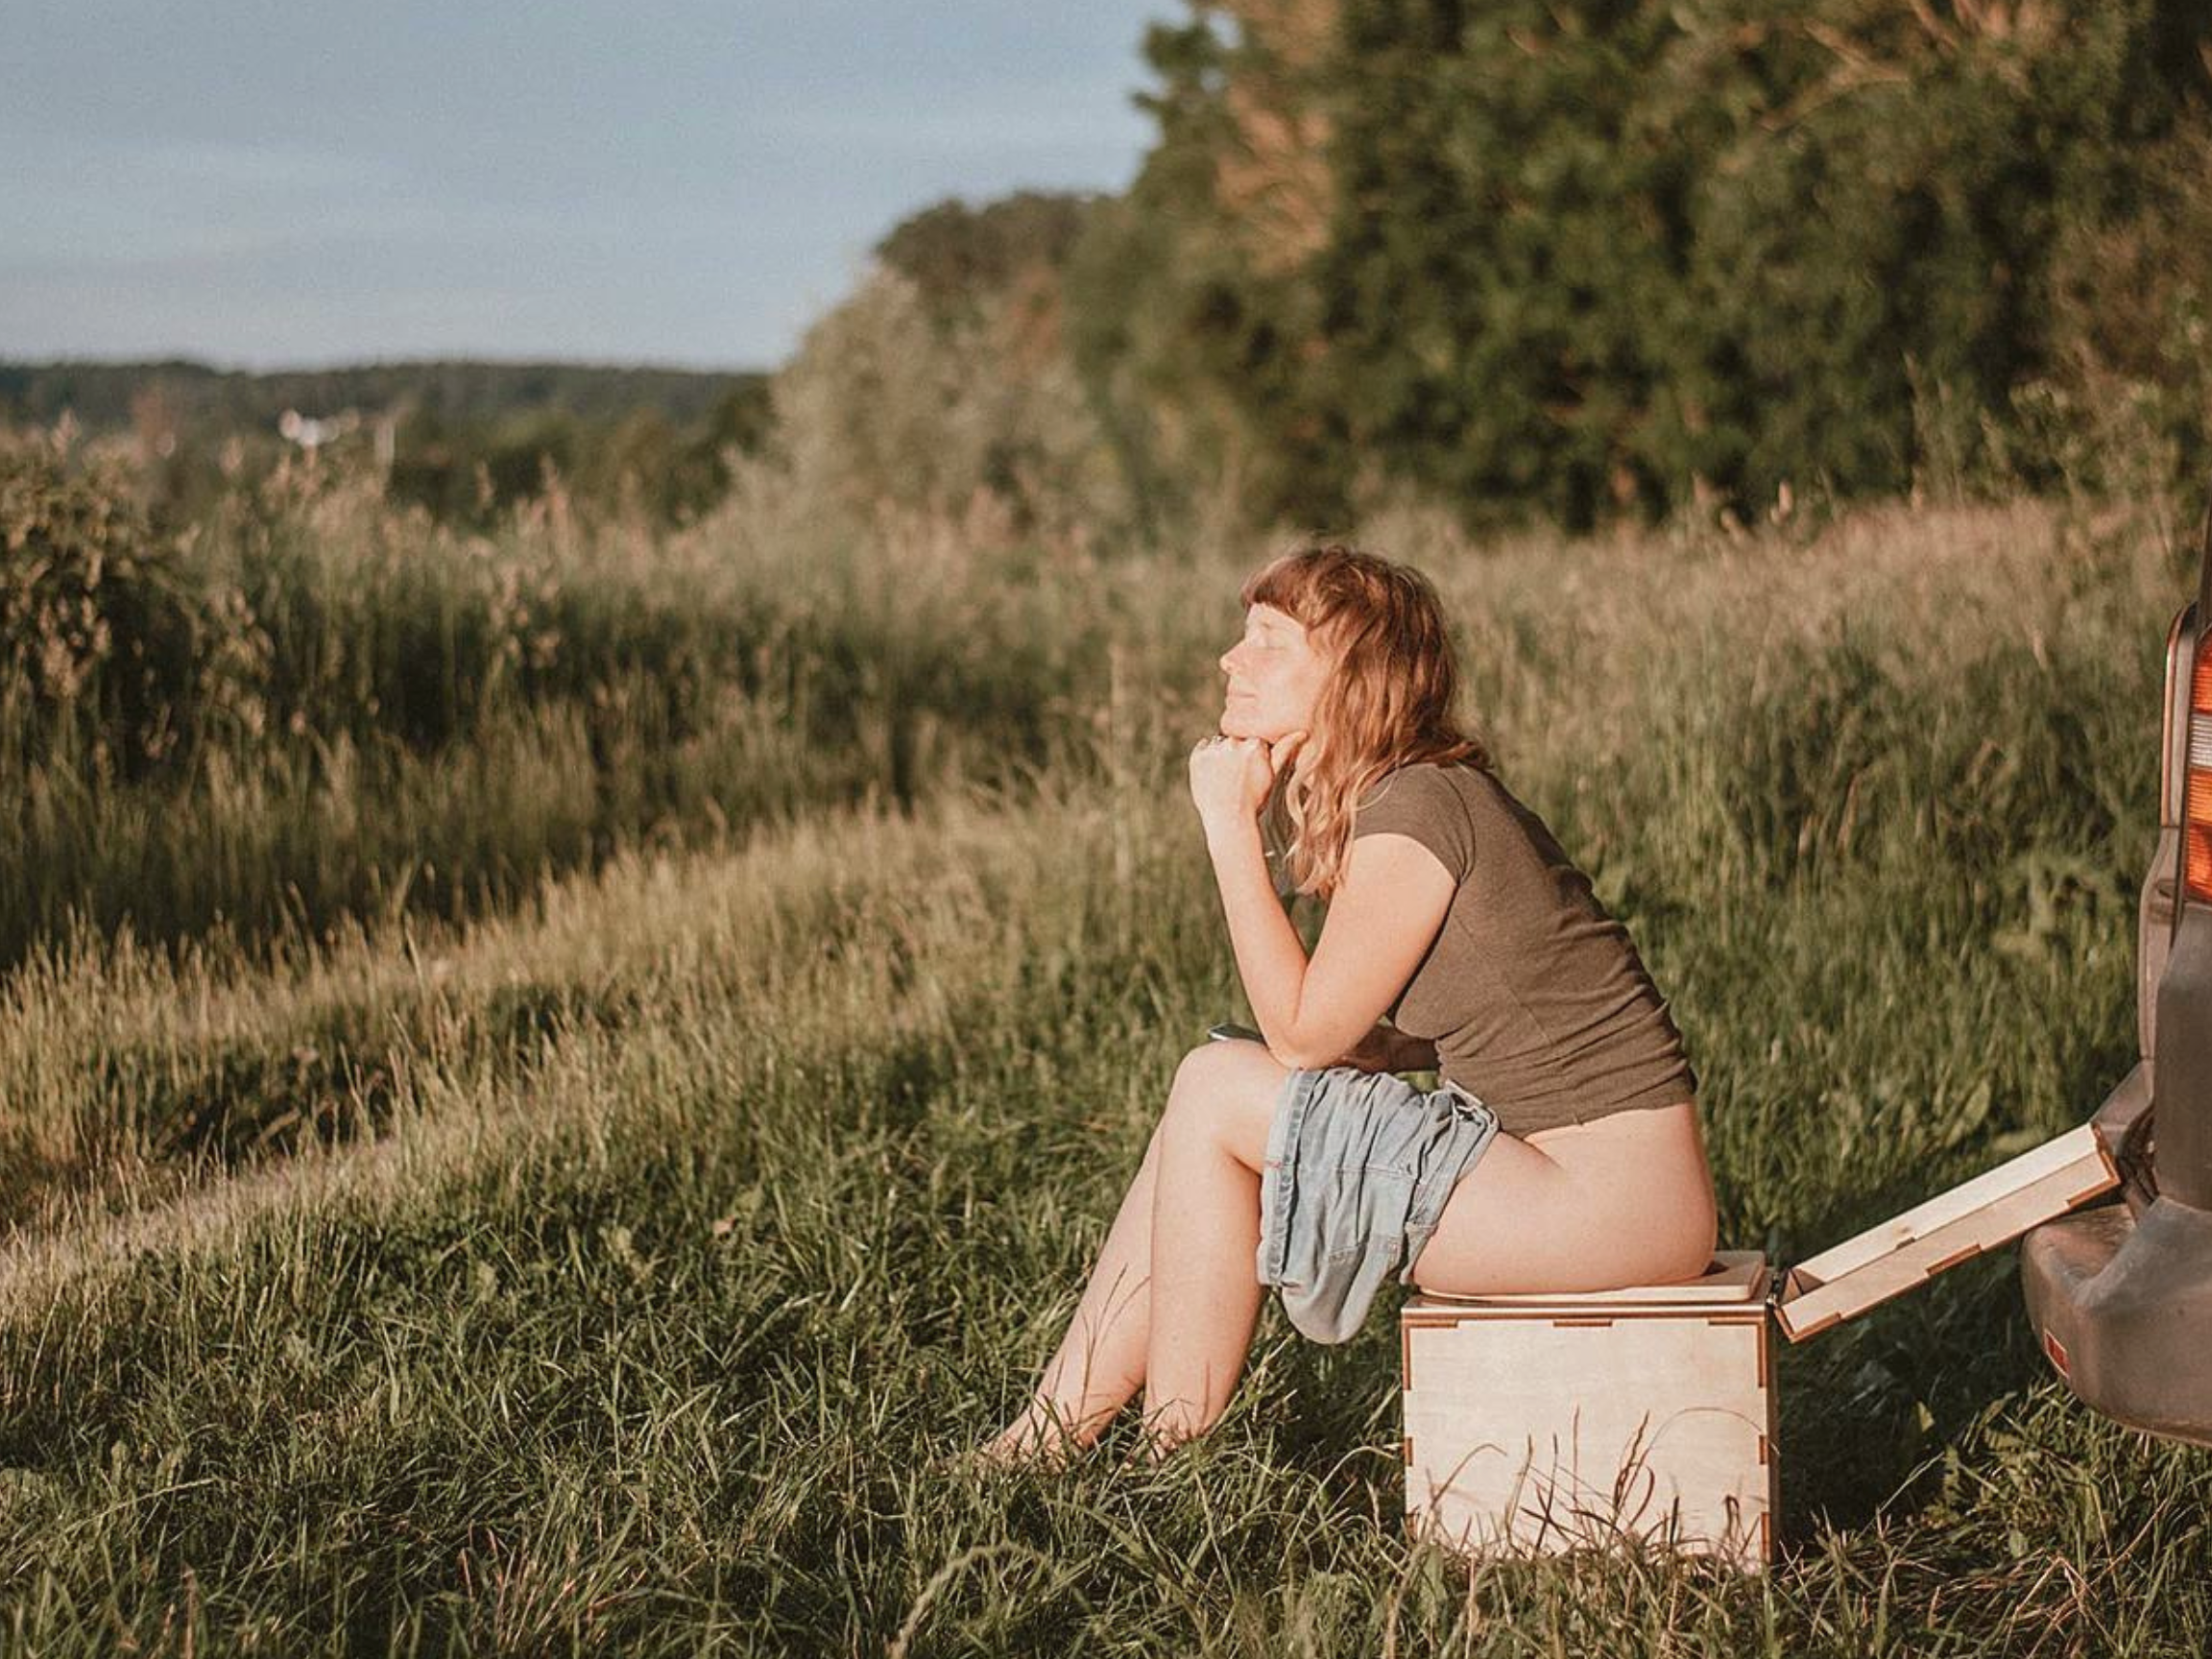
(1534, 994)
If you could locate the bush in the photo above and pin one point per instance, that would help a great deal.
(113, 659)
(891, 403)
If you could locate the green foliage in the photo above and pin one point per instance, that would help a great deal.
(101, 397)
(893, 406)
(1597, 256)
(1511, 247)
(467, 440)
(1934, 173)
(1200, 355)
(959, 255)
(315, 706)
(474, 472)
(1589, 258)
(2126, 406)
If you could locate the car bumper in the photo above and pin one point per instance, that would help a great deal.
(2122, 1307)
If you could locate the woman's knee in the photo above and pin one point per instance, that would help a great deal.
(1199, 1077)
(1212, 1064)
(1196, 1081)
(1223, 1095)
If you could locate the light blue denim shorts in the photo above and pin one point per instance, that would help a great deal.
(1359, 1166)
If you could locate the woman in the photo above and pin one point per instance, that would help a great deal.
(1561, 1151)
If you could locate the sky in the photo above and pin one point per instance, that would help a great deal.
(261, 185)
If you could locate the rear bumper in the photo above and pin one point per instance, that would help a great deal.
(2182, 1078)
(2122, 1307)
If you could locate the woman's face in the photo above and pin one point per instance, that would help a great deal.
(1275, 674)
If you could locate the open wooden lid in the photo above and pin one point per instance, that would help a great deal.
(1989, 1211)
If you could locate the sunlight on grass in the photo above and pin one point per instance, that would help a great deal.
(611, 1269)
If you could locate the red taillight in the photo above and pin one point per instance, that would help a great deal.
(2197, 833)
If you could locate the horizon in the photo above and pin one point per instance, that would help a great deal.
(188, 360)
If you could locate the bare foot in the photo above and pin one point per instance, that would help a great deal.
(1035, 1439)
(1154, 1447)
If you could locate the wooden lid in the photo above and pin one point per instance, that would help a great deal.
(1984, 1213)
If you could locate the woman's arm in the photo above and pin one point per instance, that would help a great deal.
(1384, 915)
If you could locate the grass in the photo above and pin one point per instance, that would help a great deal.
(609, 1271)
(190, 727)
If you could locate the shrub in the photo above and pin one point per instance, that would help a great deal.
(113, 657)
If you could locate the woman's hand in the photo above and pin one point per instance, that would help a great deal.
(1230, 776)
(1386, 1049)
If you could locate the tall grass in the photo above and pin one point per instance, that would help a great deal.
(603, 1274)
(315, 706)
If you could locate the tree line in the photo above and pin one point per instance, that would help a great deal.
(1581, 260)
(1600, 256)
(1593, 260)
(466, 440)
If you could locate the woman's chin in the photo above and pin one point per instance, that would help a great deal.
(1242, 722)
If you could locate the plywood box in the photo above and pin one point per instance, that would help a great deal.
(1539, 1423)
(1542, 1423)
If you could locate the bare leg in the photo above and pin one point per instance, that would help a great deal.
(1206, 1295)
(1100, 1361)
(1215, 1130)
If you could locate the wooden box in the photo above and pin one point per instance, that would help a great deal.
(1537, 1424)
(1543, 1422)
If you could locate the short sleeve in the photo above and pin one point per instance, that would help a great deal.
(1420, 800)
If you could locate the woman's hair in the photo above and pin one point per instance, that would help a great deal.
(1387, 702)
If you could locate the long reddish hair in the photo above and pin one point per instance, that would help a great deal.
(1388, 701)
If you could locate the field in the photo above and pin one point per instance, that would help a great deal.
(605, 1257)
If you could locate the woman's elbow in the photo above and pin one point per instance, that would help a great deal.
(1301, 1055)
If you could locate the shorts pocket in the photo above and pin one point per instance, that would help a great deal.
(1365, 1211)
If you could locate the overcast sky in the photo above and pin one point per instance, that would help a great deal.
(691, 183)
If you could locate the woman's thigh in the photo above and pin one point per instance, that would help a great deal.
(1588, 1210)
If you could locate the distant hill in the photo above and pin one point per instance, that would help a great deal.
(101, 394)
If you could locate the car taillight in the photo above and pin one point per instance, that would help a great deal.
(2197, 833)
(2173, 770)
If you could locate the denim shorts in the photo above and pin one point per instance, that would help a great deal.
(1360, 1166)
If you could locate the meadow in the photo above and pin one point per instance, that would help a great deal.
(606, 1251)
